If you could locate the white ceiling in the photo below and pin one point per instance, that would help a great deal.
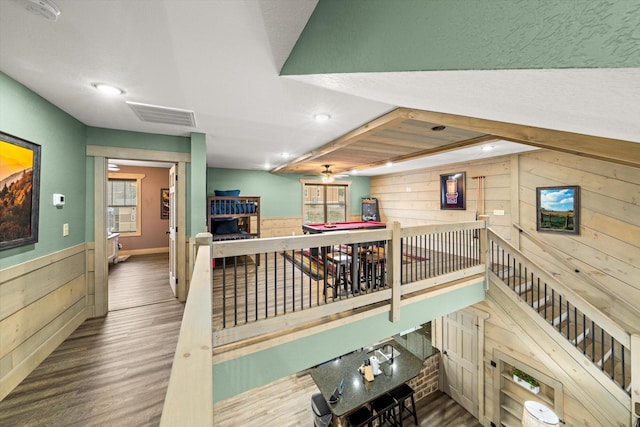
(220, 58)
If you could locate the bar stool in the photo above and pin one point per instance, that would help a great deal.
(360, 417)
(321, 412)
(385, 409)
(401, 394)
(341, 263)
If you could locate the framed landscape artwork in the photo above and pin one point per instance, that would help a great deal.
(452, 191)
(558, 209)
(164, 203)
(19, 191)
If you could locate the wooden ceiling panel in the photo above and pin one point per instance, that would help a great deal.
(405, 134)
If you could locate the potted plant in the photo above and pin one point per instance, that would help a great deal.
(525, 380)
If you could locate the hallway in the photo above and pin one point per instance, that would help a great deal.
(112, 371)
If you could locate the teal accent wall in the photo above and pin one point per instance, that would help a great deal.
(412, 35)
(197, 185)
(63, 168)
(139, 140)
(281, 194)
(242, 374)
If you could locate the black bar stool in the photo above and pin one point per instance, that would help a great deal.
(401, 394)
(385, 410)
(321, 412)
(360, 417)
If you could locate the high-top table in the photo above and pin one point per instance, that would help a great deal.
(358, 391)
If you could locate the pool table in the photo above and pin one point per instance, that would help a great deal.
(342, 226)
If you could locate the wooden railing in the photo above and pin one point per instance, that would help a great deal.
(261, 283)
(189, 398)
(586, 328)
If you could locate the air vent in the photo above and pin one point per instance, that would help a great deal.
(166, 115)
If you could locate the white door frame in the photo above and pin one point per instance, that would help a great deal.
(101, 154)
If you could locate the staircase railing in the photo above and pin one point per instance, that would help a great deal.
(591, 332)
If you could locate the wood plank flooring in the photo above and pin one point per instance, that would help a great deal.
(111, 371)
(287, 403)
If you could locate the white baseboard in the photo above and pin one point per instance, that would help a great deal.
(146, 251)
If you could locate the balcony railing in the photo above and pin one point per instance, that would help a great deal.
(307, 277)
(603, 342)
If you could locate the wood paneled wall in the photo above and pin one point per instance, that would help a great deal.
(413, 198)
(607, 251)
(42, 302)
(602, 263)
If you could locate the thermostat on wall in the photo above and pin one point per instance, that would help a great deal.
(58, 199)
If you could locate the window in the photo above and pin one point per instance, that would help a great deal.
(325, 202)
(123, 203)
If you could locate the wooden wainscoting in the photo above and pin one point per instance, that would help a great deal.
(43, 301)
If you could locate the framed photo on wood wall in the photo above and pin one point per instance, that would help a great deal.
(19, 191)
(452, 191)
(558, 209)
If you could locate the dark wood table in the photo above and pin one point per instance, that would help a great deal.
(345, 226)
(358, 391)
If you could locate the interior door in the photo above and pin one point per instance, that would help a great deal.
(459, 359)
(173, 264)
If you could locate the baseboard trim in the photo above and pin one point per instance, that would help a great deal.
(147, 251)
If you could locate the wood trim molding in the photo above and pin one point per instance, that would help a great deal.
(608, 149)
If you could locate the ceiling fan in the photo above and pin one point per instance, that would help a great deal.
(328, 176)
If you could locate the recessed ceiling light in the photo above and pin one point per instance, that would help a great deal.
(486, 147)
(285, 155)
(438, 128)
(389, 163)
(321, 117)
(108, 89)
(267, 165)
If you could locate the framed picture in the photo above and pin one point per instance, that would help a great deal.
(452, 191)
(164, 203)
(558, 209)
(19, 191)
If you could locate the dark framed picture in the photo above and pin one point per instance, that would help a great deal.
(164, 203)
(558, 209)
(452, 191)
(19, 191)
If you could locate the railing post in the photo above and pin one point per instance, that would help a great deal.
(484, 249)
(635, 378)
(394, 266)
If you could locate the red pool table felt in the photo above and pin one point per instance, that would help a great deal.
(343, 226)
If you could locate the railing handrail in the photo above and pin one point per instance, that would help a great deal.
(561, 257)
(189, 399)
(600, 318)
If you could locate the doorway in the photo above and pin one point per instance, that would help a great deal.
(138, 218)
(462, 353)
(99, 249)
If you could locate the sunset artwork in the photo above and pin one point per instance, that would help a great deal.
(18, 186)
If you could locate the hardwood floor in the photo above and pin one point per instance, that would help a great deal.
(111, 371)
(287, 403)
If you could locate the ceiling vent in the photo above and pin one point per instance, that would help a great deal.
(166, 115)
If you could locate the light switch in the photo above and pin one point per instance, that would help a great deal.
(498, 212)
(65, 229)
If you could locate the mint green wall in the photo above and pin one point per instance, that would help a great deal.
(281, 194)
(139, 140)
(197, 185)
(28, 116)
(410, 35)
(242, 374)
